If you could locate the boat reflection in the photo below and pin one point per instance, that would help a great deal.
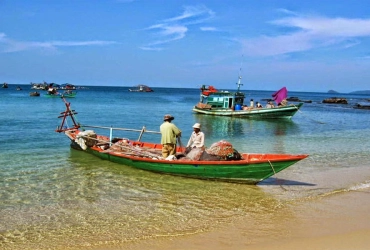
(249, 135)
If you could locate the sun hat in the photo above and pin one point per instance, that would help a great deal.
(196, 125)
(168, 117)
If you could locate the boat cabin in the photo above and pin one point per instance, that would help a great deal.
(223, 100)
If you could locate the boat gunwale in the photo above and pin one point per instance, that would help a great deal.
(241, 162)
(257, 157)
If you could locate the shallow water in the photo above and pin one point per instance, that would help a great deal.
(53, 197)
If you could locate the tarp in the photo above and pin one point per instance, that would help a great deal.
(280, 95)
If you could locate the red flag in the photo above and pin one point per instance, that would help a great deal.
(280, 95)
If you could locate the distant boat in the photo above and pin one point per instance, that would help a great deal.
(18, 88)
(362, 105)
(35, 93)
(141, 88)
(5, 85)
(67, 86)
(39, 86)
(225, 103)
(68, 94)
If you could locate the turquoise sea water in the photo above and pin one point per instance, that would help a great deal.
(52, 197)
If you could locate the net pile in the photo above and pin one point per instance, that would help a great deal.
(224, 150)
(221, 148)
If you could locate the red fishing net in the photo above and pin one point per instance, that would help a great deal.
(222, 148)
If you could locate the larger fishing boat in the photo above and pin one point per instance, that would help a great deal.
(219, 162)
(225, 103)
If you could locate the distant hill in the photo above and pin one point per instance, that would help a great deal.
(359, 92)
(362, 92)
(332, 91)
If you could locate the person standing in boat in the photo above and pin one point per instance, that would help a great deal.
(251, 104)
(170, 132)
(269, 104)
(196, 139)
(51, 90)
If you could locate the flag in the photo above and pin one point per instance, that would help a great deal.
(280, 95)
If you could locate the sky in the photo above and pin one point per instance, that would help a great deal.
(311, 46)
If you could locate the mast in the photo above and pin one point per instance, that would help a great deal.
(240, 75)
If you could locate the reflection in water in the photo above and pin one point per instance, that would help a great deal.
(104, 203)
(268, 136)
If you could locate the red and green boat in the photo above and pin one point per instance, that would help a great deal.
(249, 168)
(69, 94)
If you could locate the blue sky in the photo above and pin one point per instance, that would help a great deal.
(303, 45)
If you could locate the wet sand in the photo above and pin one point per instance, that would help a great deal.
(340, 221)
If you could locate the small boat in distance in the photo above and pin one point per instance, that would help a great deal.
(35, 93)
(225, 103)
(5, 85)
(248, 168)
(362, 105)
(141, 88)
(66, 94)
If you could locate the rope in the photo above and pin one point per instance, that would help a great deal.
(275, 174)
(182, 148)
(272, 166)
(306, 116)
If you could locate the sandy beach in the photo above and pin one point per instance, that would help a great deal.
(339, 222)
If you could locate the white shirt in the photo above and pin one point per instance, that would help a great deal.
(196, 140)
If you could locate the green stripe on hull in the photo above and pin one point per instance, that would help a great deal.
(251, 174)
(264, 113)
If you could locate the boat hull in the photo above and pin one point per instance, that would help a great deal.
(285, 112)
(252, 169)
(61, 95)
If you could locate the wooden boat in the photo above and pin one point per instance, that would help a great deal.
(65, 94)
(225, 103)
(67, 86)
(39, 86)
(250, 168)
(362, 105)
(141, 88)
(35, 93)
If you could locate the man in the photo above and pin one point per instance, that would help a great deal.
(270, 105)
(196, 138)
(169, 133)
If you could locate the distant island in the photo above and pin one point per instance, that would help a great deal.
(332, 91)
(361, 92)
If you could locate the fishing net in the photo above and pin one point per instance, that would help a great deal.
(195, 154)
(223, 150)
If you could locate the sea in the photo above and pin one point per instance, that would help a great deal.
(54, 197)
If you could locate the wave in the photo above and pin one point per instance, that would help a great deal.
(360, 186)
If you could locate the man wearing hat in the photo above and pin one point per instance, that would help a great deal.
(169, 133)
(196, 138)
